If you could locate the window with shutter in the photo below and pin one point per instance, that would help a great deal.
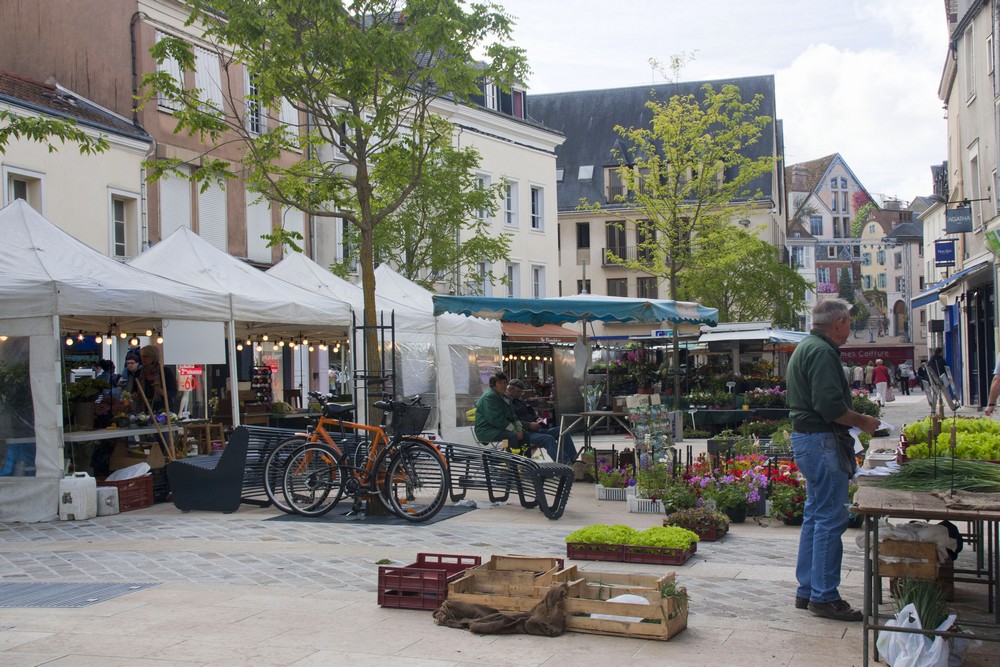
(175, 204)
(173, 68)
(212, 219)
(258, 224)
(207, 77)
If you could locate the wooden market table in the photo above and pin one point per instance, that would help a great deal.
(876, 503)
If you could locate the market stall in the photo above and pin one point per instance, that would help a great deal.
(53, 284)
(266, 311)
(467, 349)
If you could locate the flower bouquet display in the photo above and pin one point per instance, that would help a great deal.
(710, 525)
(733, 489)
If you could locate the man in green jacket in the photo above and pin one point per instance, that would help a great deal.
(495, 418)
(820, 403)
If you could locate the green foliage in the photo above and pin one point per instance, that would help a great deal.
(858, 224)
(926, 597)
(698, 517)
(863, 403)
(365, 75)
(603, 534)
(84, 389)
(671, 170)
(846, 285)
(788, 501)
(657, 536)
(743, 277)
(696, 434)
(928, 475)
(41, 129)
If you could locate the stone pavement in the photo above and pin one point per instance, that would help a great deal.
(238, 589)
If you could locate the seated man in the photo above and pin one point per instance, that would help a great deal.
(495, 419)
(537, 434)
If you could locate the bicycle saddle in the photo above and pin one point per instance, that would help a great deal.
(337, 409)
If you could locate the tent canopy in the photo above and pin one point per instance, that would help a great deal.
(299, 270)
(586, 307)
(259, 302)
(47, 272)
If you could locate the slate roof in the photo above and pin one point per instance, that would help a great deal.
(588, 118)
(908, 230)
(50, 99)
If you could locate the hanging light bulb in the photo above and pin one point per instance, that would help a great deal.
(3, 338)
(281, 343)
(305, 341)
(69, 340)
(248, 342)
(108, 340)
(123, 335)
(264, 337)
(98, 339)
(159, 340)
(239, 347)
(133, 341)
(259, 347)
(149, 332)
(79, 336)
(311, 348)
(274, 347)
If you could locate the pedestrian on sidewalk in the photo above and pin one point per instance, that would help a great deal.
(820, 403)
(869, 370)
(881, 378)
(857, 376)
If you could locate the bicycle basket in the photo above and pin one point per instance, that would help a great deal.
(409, 419)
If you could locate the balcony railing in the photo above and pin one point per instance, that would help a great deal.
(625, 253)
(613, 191)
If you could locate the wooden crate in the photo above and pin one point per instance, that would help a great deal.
(506, 583)
(589, 593)
(924, 563)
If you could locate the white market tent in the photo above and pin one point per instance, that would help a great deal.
(50, 283)
(260, 303)
(414, 330)
(468, 352)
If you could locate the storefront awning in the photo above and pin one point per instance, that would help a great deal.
(516, 332)
(931, 295)
(768, 335)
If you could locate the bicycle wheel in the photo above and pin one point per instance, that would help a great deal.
(274, 470)
(416, 482)
(313, 480)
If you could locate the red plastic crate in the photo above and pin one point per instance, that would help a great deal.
(589, 551)
(133, 494)
(658, 555)
(423, 584)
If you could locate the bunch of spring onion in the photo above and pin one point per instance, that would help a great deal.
(928, 475)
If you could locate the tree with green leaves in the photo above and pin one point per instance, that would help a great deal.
(46, 130)
(365, 75)
(743, 277)
(442, 231)
(687, 174)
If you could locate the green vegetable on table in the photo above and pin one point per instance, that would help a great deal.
(930, 474)
(672, 537)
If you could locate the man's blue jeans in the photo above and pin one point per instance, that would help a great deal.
(543, 440)
(825, 518)
(568, 448)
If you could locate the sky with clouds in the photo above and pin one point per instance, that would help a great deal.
(855, 77)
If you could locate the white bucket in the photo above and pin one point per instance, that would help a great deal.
(78, 497)
(107, 500)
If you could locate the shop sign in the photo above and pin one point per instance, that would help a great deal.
(944, 252)
(662, 333)
(189, 370)
(890, 355)
(272, 363)
(958, 220)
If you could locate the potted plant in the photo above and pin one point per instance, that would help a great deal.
(733, 492)
(613, 483)
(788, 497)
(80, 396)
(709, 525)
(664, 545)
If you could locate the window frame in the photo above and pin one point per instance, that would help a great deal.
(618, 282)
(131, 228)
(513, 271)
(35, 186)
(582, 226)
(537, 208)
(510, 207)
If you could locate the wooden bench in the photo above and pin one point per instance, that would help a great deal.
(220, 483)
(543, 485)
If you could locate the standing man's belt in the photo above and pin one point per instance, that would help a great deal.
(812, 429)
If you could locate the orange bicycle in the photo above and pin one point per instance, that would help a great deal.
(408, 472)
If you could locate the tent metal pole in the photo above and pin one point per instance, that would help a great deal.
(234, 392)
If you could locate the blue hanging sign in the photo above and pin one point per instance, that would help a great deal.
(944, 252)
(958, 220)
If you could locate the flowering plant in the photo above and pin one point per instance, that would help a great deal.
(826, 288)
(773, 397)
(638, 366)
(613, 478)
(740, 484)
(698, 519)
(788, 494)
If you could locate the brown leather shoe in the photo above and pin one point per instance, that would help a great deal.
(837, 610)
(801, 603)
